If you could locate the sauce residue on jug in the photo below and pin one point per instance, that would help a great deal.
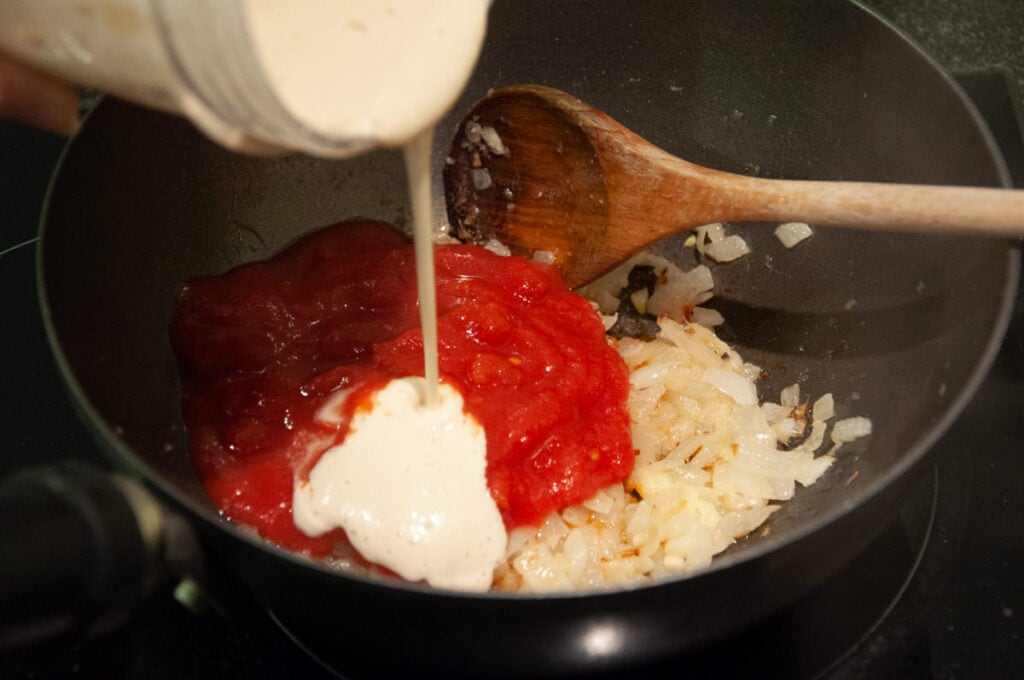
(367, 69)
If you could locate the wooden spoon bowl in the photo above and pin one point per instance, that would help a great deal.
(540, 170)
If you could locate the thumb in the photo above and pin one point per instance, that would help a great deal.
(36, 98)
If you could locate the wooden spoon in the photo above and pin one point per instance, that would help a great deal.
(538, 169)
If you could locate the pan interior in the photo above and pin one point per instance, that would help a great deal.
(897, 327)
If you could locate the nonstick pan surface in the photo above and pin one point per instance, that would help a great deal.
(900, 328)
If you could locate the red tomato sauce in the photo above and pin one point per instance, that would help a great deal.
(262, 348)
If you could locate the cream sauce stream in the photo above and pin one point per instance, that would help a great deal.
(417, 169)
(408, 483)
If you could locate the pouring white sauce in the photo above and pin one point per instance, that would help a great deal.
(408, 486)
(328, 77)
(408, 483)
(417, 169)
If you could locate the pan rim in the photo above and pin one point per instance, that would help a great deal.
(110, 441)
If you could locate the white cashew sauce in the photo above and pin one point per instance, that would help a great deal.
(408, 482)
(378, 92)
(408, 486)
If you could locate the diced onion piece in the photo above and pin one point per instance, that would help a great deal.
(639, 300)
(493, 141)
(517, 538)
(727, 249)
(736, 386)
(786, 429)
(790, 396)
(709, 318)
(601, 503)
(481, 178)
(706, 233)
(791, 233)
(825, 407)
(774, 413)
(552, 530)
(713, 233)
(542, 256)
(680, 291)
(497, 247)
(816, 438)
(816, 467)
(849, 429)
(473, 132)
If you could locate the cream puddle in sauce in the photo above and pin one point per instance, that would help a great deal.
(409, 484)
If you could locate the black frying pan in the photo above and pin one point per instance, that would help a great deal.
(800, 89)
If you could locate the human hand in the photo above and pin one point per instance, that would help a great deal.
(36, 98)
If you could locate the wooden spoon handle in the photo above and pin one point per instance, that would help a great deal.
(895, 207)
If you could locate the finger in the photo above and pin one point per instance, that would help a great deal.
(36, 98)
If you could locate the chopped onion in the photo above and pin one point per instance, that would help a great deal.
(517, 538)
(601, 503)
(481, 178)
(741, 390)
(493, 141)
(774, 413)
(727, 249)
(790, 396)
(709, 318)
(543, 256)
(681, 291)
(497, 247)
(473, 131)
(713, 233)
(825, 407)
(639, 300)
(791, 233)
(850, 428)
(708, 233)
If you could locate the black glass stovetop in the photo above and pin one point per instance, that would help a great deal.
(940, 594)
